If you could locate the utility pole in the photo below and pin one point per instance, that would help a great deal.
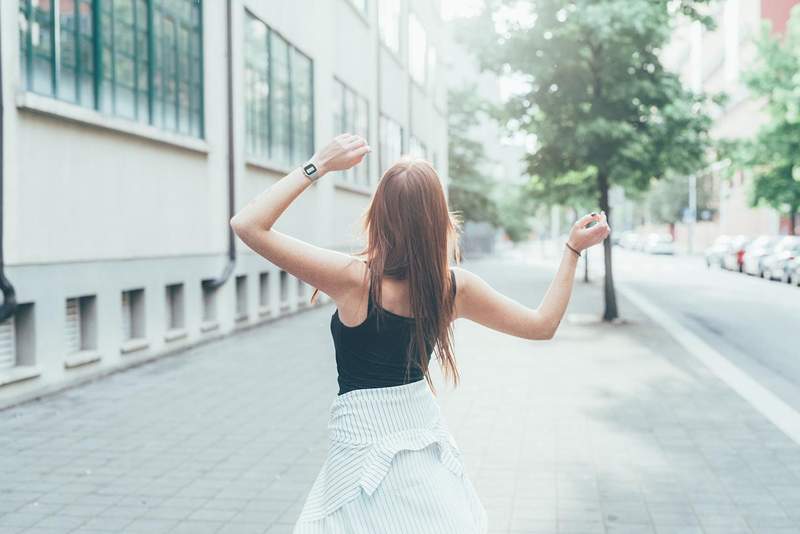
(692, 215)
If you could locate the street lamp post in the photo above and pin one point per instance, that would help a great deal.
(692, 215)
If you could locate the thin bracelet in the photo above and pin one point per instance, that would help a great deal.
(572, 249)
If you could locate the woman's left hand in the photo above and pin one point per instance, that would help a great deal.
(343, 152)
(582, 236)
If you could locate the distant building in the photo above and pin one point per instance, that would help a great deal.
(713, 61)
(505, 164)
(115, 190)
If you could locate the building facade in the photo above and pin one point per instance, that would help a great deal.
(117, 159)
(714, 61)
(504, 164)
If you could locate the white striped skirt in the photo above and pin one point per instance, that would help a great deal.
(392, 467)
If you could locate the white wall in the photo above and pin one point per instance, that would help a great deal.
(94, 205)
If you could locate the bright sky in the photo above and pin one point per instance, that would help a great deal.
(460, 8)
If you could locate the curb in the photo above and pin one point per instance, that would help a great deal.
(770, 405)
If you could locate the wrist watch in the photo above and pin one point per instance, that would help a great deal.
(311, 171)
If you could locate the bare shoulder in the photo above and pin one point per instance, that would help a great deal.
(351, 301)
(357, 276)
(466, 282)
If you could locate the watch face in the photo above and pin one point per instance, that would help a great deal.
(310, 169)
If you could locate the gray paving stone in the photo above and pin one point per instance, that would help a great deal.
(20, 519)
(605, 429)
(150, 525)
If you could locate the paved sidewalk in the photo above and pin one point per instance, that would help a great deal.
(606, 428)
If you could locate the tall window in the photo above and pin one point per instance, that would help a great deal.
(351, 115)
(279, 110)
(417, 49)
(432, 70)
(389, 24)
(360, 5)
(256, 81)
(417, 148)
(280, 101)
(391, 142)
(302, 106)
(137, 59)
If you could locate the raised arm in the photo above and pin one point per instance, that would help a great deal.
(479, 302)
(332, 272)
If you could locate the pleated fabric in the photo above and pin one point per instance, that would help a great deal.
(392, 467)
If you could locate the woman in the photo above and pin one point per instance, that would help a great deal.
(392, 464)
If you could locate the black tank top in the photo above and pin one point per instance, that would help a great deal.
(370, 358)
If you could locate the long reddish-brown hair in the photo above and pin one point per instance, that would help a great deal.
(412, 235)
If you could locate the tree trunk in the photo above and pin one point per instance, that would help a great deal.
(610, 313)
(586, 266)
(792, 219)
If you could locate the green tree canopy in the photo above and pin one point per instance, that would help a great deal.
(774, 155)
(470, 188)
(603, 108)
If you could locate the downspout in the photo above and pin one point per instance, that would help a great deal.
(378, 106)
(9, 306)
(229, 266)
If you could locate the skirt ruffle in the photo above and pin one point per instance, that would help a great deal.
(418, 494)
(392, 467)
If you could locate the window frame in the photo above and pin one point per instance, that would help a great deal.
(423, 66)
(383, 121)
(381, 28)
(351, 124)
(416, 148)
(270, 157)
(189, 22)
(362, 13)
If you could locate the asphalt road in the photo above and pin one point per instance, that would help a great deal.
(753, 322)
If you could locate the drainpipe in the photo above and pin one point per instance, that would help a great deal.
(9, 306)
(378, 97)
(229, 266)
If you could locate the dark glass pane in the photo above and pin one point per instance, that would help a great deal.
(67, 83)
(280, 103)
(41, 46)
(301, 107)
(256, 87)
(24, 33)
(177, 66)
(337, 103)
(86, 53)
(362, 129)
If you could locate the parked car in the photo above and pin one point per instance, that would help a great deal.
(659, 244)
(715, 254)
(629, 240)
(774, 266)
(734, 256)
(793, 271)
(754, 254)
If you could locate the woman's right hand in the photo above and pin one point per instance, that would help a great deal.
(343, 152)
(581, 237)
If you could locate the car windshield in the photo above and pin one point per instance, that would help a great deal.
(788, 243)
(763, 241)
(740, 241)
